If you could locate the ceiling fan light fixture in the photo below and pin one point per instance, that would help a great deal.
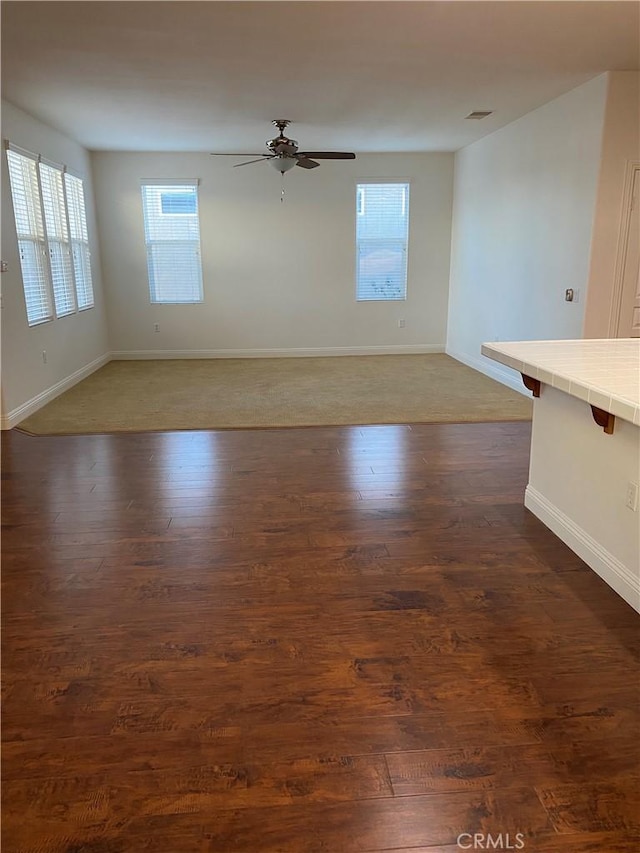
(283, 163)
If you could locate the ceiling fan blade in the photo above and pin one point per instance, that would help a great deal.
(306, 163)
(327, 155)
(228, 154)
(249, 162)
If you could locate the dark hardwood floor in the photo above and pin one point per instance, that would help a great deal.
(332, 639)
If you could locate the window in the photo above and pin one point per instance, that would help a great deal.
(178, 202)
(27, 209)
(382, 234)
(172, 235)
(79, 237)
(53, 243)
(57, 231)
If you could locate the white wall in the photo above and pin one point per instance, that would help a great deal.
(278, 278)
(578, 482)
(620, 147)
(522, 220)
(71, 343)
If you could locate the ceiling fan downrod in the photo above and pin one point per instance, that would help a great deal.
(281, 124)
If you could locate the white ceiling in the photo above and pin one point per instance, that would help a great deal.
(360, 76)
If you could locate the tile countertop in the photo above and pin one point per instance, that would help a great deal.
(602, 372)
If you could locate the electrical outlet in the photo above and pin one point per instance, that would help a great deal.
(401, 324)
(632, 496)
(44, 356)
(156, 327)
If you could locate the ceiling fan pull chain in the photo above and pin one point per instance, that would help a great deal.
(282, 190)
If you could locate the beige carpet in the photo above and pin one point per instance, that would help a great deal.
(137, 396)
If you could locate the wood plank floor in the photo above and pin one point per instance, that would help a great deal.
(329, 639)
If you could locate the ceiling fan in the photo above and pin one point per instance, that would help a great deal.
(283, 152)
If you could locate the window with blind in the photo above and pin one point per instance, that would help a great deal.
(382, 236)
(57, 231)
(79, 240)
(53, 243)
(32, 247)
(172, 235)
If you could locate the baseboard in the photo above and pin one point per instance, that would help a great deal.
(610, 569)
(15, 416)
(293, 352)
(491, 369)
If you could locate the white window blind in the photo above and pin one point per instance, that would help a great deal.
(53, 241)
(57, 232)
(382, 234)
(25, 191)
(172, 234)
(79, 235)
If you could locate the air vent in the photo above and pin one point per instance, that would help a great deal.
(478, 114)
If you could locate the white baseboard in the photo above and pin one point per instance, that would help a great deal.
(294, 352)
(610, 569)
(15, 416)
(491, 369)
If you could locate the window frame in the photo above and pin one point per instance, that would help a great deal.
(151, 242)
(390, 242)
(34, 237)
(79, 245)
(56, 227)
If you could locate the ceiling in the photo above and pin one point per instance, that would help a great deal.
(360, 76)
